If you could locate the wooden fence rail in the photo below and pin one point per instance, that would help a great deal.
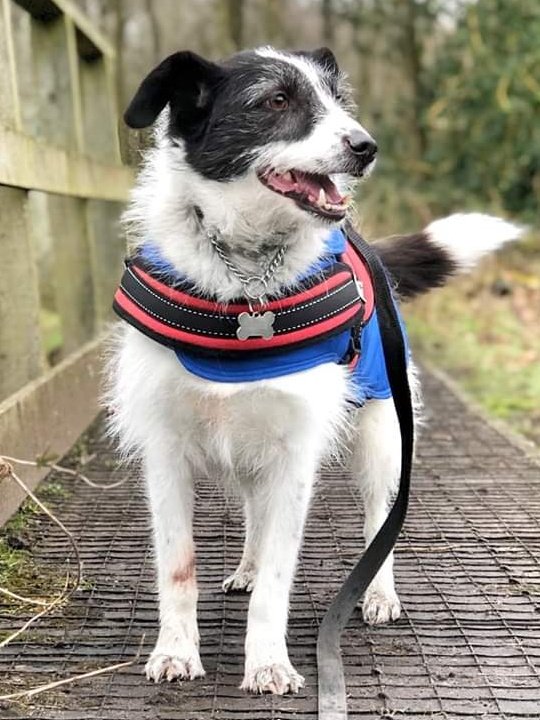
(62, 185)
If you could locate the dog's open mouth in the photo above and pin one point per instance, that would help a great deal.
(311, 192)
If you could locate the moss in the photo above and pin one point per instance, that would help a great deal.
(53, 491)
(19, 571)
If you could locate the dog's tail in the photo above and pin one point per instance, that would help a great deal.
(447, 247)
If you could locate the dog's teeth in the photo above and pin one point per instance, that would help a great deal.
(287, 176)
(322, 198)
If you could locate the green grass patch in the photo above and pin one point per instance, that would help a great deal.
(19, 571)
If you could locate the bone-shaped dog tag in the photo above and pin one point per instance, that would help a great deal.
(255, 325)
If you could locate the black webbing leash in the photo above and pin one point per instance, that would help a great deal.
(332, 690)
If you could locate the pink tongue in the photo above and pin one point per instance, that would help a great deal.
(279, 183)
(311, 185)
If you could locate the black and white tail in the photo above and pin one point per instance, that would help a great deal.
(447, 247)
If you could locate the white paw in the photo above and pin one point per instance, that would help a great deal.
(380, 606)
(183, 666)
(240, 581)
(277, 679)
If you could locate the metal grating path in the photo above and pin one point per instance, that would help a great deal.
(467, 567)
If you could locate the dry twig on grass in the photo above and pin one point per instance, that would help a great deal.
(6, 470)
(67, 471)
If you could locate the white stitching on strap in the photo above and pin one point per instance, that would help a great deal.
(317, 300)
(173, 305)
(296, 308)
(170, 322)
(321, 317)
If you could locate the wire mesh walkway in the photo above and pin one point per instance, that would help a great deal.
(467, 567)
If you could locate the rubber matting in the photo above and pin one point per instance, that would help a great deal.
(467, 568)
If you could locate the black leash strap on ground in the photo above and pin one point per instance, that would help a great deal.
(332, 690)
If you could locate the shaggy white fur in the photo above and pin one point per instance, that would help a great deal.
(269, 436)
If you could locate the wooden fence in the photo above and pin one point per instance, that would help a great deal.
(62, 185)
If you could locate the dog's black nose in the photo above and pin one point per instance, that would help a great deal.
(362, 145)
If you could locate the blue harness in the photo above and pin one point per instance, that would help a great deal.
(369, 377)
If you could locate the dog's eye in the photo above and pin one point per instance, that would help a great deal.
(279, 101)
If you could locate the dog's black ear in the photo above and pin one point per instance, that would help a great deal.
(324, 57)
(185, 80)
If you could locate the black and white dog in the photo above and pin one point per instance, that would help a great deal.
(258, 151)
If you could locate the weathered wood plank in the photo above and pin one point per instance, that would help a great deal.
(21, 357)
(73, 285)
(28, 163)
(47, 416)
(110, 72)
(98, 112)
(75, 83)
(41, 55)
(86, 26)
(42, 247)
(10, 111)
(107, 250)
(47, 10)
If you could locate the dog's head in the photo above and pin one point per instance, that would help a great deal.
(277, 123)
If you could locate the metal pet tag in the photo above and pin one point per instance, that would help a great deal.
(255, 325)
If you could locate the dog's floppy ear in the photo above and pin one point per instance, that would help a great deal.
(324, 57)
(184, 80)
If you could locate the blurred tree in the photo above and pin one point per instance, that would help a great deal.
(234, 13)
(328, 34)
(450, 88)
(483, 116)
(273, 16)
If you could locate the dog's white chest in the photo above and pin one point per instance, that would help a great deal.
(232, 425)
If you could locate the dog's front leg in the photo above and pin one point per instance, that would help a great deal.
(170, 489)
(283, 498)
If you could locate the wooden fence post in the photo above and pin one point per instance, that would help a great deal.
(74, 288)
(107, 251)
(21, 356)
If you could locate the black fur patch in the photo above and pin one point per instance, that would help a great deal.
(415, 263)
(241, 121)
(221, 111)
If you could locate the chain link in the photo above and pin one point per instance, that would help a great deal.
(263, 279)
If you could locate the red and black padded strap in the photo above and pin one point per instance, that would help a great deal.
(175, 315)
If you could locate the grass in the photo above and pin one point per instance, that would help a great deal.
(484, 331)
(19, 571)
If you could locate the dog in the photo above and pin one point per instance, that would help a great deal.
(254, 158)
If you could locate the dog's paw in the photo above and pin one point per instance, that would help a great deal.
(181, 666)
(276, 679)
(380, 607)
(240, 581)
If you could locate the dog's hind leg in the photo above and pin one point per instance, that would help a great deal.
(170, 490)
(283, 498)
(375, 463)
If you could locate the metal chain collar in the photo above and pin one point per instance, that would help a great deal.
(255, 286)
